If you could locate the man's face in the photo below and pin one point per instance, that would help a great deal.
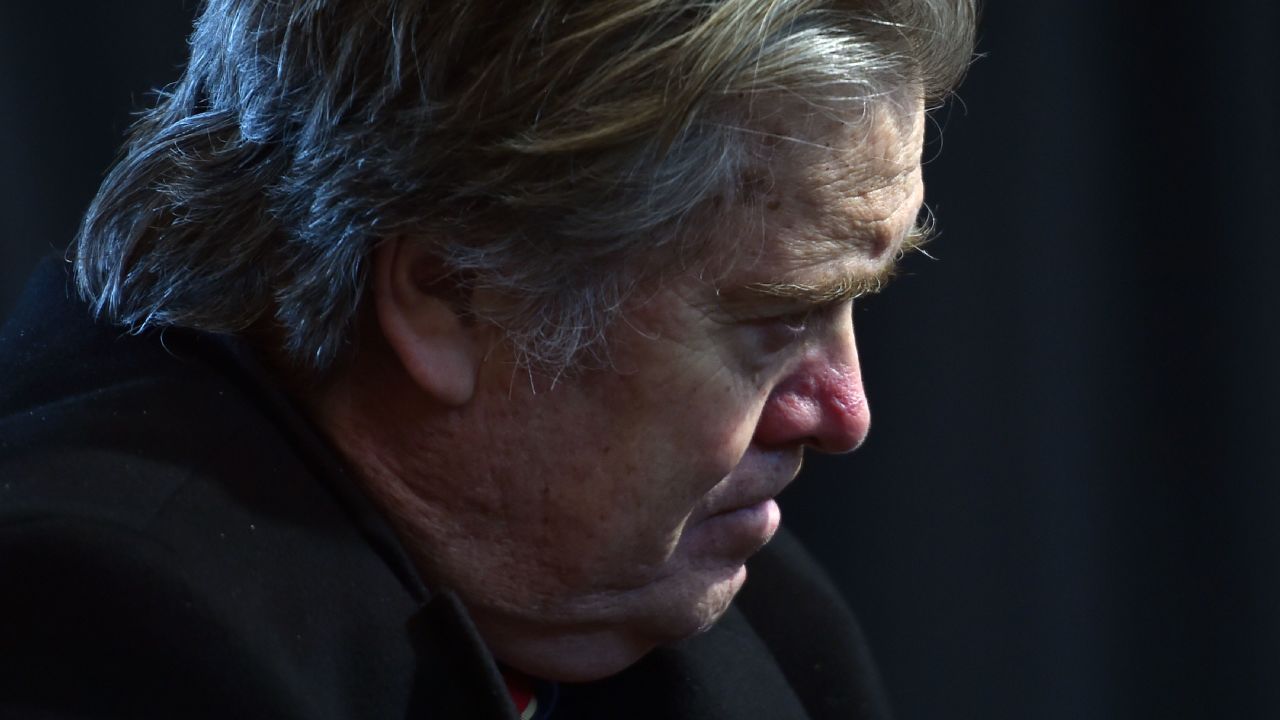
(616, 508)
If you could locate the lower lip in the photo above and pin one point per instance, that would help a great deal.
(745, 530)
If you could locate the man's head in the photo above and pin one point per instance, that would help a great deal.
(574, 279)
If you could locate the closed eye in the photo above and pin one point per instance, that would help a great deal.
(796, 322)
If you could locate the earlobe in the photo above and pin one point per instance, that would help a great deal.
(437, 348)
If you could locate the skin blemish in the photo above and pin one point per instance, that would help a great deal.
(878, 243)
(843, 394)
(753, 184)
(798, 402)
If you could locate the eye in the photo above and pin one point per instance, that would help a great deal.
(796, 322)
(778, 331)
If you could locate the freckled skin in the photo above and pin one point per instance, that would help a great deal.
(585, 521)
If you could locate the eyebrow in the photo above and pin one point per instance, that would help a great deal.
(845, 288)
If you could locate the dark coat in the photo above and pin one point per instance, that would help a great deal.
(178, 541)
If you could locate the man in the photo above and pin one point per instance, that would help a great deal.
(468, 346)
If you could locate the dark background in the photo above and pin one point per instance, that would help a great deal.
(1069, 505)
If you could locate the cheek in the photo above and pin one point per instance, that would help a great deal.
(708, 426)
(665, 451)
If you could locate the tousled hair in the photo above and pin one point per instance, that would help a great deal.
(550, 150)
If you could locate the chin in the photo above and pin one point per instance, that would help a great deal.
(695, 608)
(675, 609)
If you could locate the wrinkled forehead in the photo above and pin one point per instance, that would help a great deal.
(877, 148)
(821, 187)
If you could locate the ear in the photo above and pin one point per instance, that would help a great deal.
(438, 350)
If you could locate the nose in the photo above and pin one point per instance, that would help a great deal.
(821, 404)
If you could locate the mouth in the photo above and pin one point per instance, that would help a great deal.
(747, 501)
(740, 515)
(764, 516)
(739, 532)
(753, 485)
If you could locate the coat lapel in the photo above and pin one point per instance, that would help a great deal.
(456, 675)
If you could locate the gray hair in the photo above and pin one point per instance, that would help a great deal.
(550, 150)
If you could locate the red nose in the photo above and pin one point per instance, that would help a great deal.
(821, 405)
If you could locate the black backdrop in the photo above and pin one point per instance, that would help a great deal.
(1068, 507)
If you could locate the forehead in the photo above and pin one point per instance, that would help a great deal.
(828, 200)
